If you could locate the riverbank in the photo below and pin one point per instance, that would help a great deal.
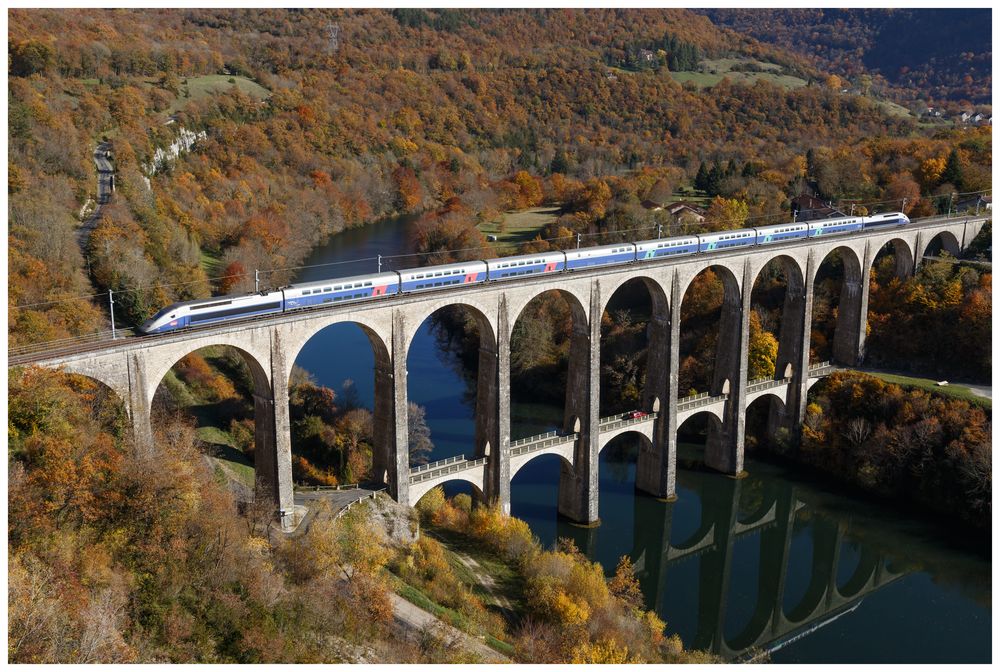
(924, 450)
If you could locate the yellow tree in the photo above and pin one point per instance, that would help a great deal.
(726, 213)
(763, 347)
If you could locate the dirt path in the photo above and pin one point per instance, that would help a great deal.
(485, 580)
(416, 621)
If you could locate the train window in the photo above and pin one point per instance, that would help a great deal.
(328, 289)
(306, 292)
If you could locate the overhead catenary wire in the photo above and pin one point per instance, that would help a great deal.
(493, 245)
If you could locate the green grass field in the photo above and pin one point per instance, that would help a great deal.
(712, 71)
(928, 385)
(209, 85)
(520, 226)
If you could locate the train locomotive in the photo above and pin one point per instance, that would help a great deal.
(428, 278)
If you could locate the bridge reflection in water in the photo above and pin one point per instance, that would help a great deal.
(767, 567)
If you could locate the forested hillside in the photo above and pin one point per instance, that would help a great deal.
(930, 54)
(317, 120)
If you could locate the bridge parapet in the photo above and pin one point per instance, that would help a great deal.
(452, 465)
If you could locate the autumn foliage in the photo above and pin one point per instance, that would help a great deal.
(927, 451)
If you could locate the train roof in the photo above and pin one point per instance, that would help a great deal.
(442, 267)
(388, 275)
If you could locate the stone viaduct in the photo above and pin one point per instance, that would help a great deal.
(134, 367)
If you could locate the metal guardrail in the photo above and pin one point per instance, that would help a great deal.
(439, 463)
(97, 337)
(324, 488)
(372, 495)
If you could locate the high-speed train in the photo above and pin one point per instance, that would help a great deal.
(382, 285)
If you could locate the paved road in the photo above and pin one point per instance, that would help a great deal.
(339, 500)
(105, 176)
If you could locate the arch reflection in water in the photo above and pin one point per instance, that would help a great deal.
(693, 561)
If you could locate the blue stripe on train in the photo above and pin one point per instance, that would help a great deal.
(669, 251)
(437, 283)
(601, 260)
(342, 296)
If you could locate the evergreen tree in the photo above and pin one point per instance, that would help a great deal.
(953, 170)
(701, 178)
(715, 177)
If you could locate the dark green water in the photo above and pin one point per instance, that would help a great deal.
(772, 562)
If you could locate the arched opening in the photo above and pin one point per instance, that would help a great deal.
(894, 260)
(450, 384)
(776, 338)
(549, 347)
(635, 334)
(711, 355)
(692, 438)
(943, 244)
(461, 494)
(550, 384)
(107, 407)
(340, 407)
(709, 332)
(226, 394)
(837, 328)
(534, 498)
(763, 433)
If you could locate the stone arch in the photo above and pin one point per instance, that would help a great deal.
(419, 490)
(903, 256)
(580, 345)
(481, 311)
(656, 365)
(790, 337)
(848, 336)
(647, 440)
(713, 420)
(728, 355)
(944, 240)
(575, 291)
(106, 398)
(486, 416)
(265, 445)
(383, 432)
(565, 458)
(298, 335)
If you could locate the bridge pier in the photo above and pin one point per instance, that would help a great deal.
(852, 319)
(578, 483)
(724, 448)
(398, 476)
(656, 467)
(140, 403)
(278, 448)
(793, 350)
(493, 411)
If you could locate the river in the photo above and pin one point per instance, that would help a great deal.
(774, 563)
